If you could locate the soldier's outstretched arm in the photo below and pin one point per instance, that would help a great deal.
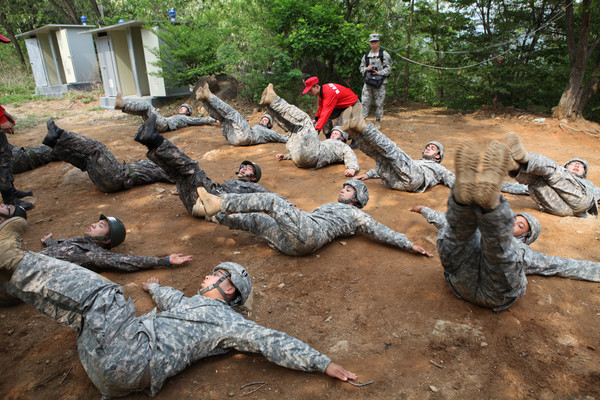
(337, 371)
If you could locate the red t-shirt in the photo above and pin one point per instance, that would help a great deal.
(333, 96)
(2, 117)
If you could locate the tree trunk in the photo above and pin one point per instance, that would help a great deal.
(11, 35)
(407, 69)
(96, 10)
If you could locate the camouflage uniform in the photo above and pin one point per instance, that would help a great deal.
(89, 254)
(469, 251)
(103, 169)
(558, 191)
(297, 233)
(122, 353)
(515, 188)
(26, 159)
(6, 162)
(236, 129)
(163, 124)
(304, 147)
(188, 176)
(370, 93)
(396, 169)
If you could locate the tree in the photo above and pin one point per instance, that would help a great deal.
(579, 91)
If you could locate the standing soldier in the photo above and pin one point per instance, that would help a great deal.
(145, 110)
(375, 66)
(235, 128)
(101, 166)
(304, 147)
(297, 233)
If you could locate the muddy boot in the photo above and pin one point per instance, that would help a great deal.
(11, 235)
(268, 95)
(198, 209)
(211, 203)
(53, 134)
(465, 165)
(19, 194)
(203, 93)
(495, 169)
(358, 123)
(148, 135)
(119, 102)
(517, 149)
(9, 196)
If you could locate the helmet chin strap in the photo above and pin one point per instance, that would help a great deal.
(251, 176)
(99, 239)
(217, 286)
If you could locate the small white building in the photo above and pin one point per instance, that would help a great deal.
(61, 59)
(126, 64)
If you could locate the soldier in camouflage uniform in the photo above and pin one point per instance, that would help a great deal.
(187, 174)
(101, 166)
(145, 110)
(393, 166)
(26, 159)
(235, 128)
(304, 147)
(297, 233)
(559, 190)
(10, 195)
(375, 63)
(91, 250)
(122, 353)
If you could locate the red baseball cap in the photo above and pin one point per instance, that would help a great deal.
(4, 39)
(309, 83)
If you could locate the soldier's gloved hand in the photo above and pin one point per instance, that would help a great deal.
(337, 371)
(420, 250)
(178, 259)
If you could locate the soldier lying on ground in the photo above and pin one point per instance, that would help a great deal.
(235, 128)
(559, 190)
(297, 233)
(304, 147)
(26, 159)
(164, 124)
(122, 353)
(101, 166)
(187, 174)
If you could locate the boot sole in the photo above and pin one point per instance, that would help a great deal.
(517, 149)
(495, 168)
(466, 163)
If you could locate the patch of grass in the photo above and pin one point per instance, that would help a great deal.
(28, 121)
(95, 108)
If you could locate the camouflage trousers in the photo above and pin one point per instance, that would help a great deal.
(6, 163)
(113, 345)
(163, 124)
(26, 159)
(370, 94)
(479, 255)
(397, 168)
(303, 143)
(287, 228)
(556, 190)
(103, 169)
(236, 129)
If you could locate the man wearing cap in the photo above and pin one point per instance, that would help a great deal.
(187, 174)
(235, 128)
(559, 190)
(393, 166)
(375, 67)
(303, 146)
(92, 250)
(101, 166)
(333, 100)
(181, 120)
(296, 233)
(123, 353)
(10, 195)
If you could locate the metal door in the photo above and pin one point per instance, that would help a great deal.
(107, 66)
(38, 67)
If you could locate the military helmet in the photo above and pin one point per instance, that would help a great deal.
(189, 108)
(534, 228)
(440, 152)
(240, 279)
(18, 211)
(257, 171)
(585, 165)
(339, 129)
(361, 193)
(116, 231)
(267, 116)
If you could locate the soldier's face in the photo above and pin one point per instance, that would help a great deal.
(431, 149)
(337, 135)
(264, 121)
(577, 168)
(374, 45)
(100, 228)
(7, 209)
(521, 226)
(183, 111)
(347, 193)
(212, 279)
(246, 171)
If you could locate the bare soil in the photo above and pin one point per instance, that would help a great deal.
(385, 314)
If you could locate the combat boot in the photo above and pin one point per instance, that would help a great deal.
(119, 102)
(9, 196)
(11, 235)
(268, 96)
(198, 209)
(496, 162)
(517, 149)
(148, 135)
(465, 165)
(358, 124)
(53, 134)
(203, 93)
(211, 203)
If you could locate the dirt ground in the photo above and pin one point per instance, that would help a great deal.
(385, 314)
